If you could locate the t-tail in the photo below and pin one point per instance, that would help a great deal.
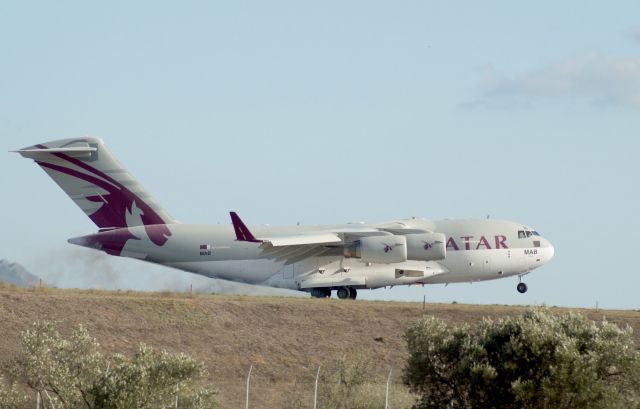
(88, 173)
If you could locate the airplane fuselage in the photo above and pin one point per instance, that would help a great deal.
(477, 250)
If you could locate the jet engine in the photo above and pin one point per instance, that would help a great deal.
(426, 246)
(379, 249)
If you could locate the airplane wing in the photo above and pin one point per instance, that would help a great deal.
(301, 240)
(297, 247)
(291, 248)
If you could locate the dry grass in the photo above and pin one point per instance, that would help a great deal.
(284, 338)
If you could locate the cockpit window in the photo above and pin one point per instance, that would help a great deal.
(523, 234)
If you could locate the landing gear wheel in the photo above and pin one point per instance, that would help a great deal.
(321, 292)
(522, 288)
(352, 293)
(343, 293)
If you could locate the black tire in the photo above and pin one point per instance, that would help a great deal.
(343, 293)
(327, 293)
(353, 294)
(317, 293)
(522, 288)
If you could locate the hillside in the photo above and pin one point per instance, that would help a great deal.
(16, 274)
(284, 338)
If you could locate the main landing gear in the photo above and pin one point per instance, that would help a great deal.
(321, 293)
(344, 293)
(347, 292)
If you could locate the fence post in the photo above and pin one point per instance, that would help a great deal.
(315, 390)
(386, 395)
(248, 379)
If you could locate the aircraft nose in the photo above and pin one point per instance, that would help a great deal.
(549, 250)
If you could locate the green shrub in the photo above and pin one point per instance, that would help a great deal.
(536, 360)
(73, 373)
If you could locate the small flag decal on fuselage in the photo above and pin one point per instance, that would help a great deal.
(205, 249)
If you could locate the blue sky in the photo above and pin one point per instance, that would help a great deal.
(333, 112)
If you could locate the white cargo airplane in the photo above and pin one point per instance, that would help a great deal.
(318, 259)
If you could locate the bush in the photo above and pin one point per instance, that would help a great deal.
(354, 380)
(536, 360)
(72, 373)
(10, 397)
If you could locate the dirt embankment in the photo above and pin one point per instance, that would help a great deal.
(284, 338)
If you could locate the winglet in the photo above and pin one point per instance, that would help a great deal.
(242, 232)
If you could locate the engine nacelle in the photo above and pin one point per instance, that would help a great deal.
(426, 246)
(379, 249)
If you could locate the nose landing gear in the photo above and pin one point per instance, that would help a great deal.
(522, 288)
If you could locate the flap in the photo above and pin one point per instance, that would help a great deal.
(301, 239)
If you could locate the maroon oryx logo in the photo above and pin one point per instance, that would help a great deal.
(387, 248)
(427, 245)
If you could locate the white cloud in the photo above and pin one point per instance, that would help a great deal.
(593, 78)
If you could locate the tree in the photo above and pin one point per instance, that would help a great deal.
(73, 373)
(535, 360)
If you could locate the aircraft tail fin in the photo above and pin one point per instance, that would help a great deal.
(88, 173)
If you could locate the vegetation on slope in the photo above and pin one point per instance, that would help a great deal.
(72, 373)
(532, 361)
(284, 339)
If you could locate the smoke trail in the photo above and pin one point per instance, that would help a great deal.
(77, 267)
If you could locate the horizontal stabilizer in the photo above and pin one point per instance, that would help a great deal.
(72, 151)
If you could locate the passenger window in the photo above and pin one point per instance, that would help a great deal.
(521, 234)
